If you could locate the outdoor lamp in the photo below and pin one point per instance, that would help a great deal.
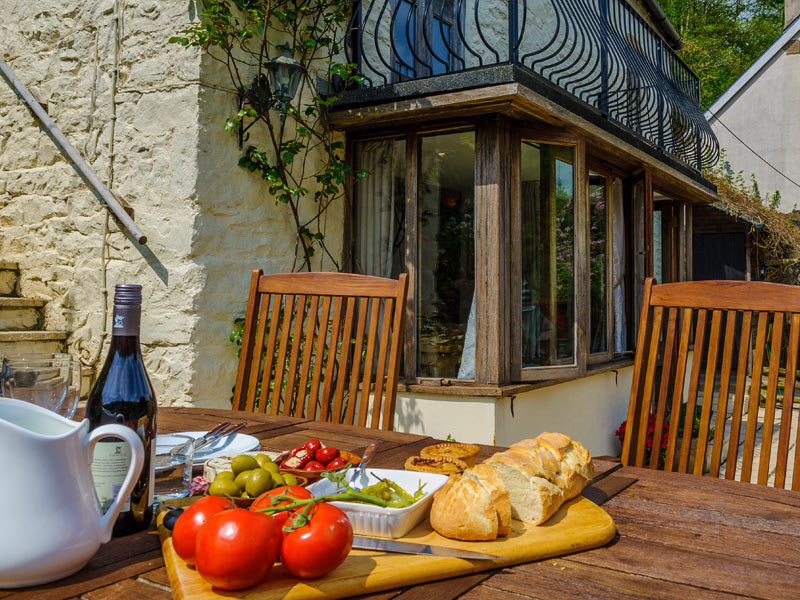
(284, 77)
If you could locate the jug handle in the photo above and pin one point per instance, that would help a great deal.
(106, 521)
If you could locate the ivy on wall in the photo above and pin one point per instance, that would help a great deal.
(302, 164)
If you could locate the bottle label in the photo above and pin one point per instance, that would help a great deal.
(109, 468)
(127, 319)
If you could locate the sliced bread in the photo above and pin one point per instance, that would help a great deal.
(463, 510)
(486, 476)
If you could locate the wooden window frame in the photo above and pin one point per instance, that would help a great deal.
(608, 175)
(498, 275)
(555, 137)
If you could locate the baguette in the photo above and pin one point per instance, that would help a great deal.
(529, 482)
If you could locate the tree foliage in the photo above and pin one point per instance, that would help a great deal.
(723, 37)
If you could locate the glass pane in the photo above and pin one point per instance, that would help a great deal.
(380, 226)
(598, 260)
(658, 255)
(548, 256)
(446, 302)
(403, 34)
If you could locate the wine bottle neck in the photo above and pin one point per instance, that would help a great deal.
(127, 319)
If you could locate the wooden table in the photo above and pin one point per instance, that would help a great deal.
(679, 536)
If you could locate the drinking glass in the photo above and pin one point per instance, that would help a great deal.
(173, 469)
(52, 381)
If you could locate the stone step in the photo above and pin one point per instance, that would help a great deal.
(9, 276)
(30, 342)
(18, 314)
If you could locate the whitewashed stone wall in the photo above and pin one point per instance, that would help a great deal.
(208, 222)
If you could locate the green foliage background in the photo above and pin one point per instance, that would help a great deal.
(723, 37)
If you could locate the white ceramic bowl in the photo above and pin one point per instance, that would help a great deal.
(372, 520)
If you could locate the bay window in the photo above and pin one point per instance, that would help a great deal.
(525, 255)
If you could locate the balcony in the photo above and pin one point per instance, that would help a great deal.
(602, 53)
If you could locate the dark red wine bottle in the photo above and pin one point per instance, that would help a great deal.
(123, 394)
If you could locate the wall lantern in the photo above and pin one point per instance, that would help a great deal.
(278, 91)
(284, 78)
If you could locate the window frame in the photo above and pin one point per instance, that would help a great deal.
(608, 174)
(553, 137)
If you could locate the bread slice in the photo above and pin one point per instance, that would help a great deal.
(575, 464)
(463, 510)
(533, 499)
(486, 476)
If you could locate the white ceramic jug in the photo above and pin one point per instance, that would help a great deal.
(50, 520)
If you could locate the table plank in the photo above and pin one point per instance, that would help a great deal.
(127, 589)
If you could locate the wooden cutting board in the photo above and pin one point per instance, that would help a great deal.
(578, 525)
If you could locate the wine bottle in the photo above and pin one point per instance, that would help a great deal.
(123, 394)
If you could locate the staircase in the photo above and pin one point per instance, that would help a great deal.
(22, 319)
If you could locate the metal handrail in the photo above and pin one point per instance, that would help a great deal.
(600, 51)
(68, 149)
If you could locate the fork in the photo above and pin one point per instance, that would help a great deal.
(219, 435)
(211, 432)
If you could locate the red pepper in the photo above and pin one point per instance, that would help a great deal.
(297, 461)
(314, 466)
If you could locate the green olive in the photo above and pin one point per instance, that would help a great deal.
(260, 481)
(263, 460)
(224, 475)
(243, 462)
(272, 468)
(241, 479)
(289, 479)
(224, 487)
(278, 479)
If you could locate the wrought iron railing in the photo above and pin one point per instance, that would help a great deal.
(600, 51)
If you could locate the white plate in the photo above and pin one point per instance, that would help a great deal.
(233, 444)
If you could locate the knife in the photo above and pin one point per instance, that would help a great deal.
(386, 545)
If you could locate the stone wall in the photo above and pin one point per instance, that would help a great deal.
(208, 222)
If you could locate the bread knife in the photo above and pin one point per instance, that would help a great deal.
(386, 545)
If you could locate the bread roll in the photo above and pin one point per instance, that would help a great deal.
(533, 499)
(463, 510)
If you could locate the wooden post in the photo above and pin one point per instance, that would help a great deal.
(492, 250)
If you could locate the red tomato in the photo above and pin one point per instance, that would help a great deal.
(237, 548)
(326, 455)
(314, 466)
(319, 546)
(184, 533)
(312, 446)
(336, 463)
(265, 499)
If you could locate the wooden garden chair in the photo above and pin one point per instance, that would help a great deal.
(763, 319)
(322, 346)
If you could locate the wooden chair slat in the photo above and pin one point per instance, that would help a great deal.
(380, 368)
(319, 358)
(724, 388)
(286, 327)
(728, 295)
(246, 352)
(638, 377)
(784, 433)
(306, 332)
(258, 349)
(289, 401)
(308, 346)
(663, 393)
(772, 393)
(355, 369)
(333, 352)
(694, 385)
(269, 357)
(369, 362)
(649, 379)
(755, 393)
(677, 393)
(738, 398)
(708, 393)
(344, 360)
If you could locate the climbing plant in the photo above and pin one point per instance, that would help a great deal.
(302, 161)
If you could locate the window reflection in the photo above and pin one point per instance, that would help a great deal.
(598, 219)
(548, 261)
(446, 321)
